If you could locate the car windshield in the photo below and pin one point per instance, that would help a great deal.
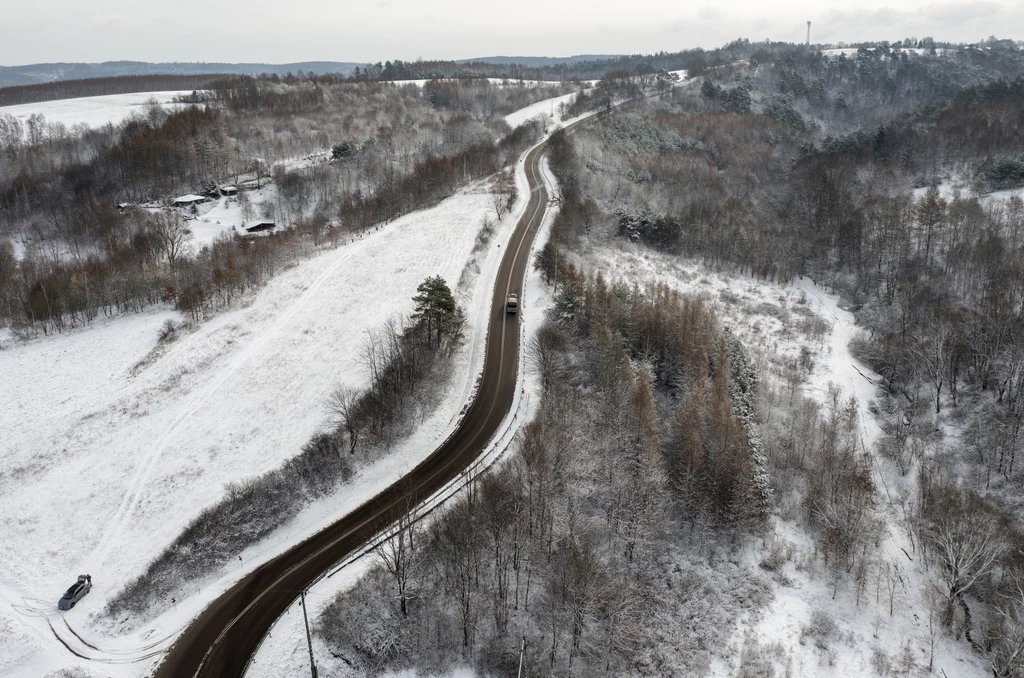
(72, 591)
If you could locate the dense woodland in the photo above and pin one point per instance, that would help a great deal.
(847, 170)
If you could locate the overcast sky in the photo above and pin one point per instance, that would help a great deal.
(279, 31)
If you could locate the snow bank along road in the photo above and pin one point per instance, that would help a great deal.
(221, 639)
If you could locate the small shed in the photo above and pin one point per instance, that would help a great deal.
(187, 200)
(260, 226)
(229, 191)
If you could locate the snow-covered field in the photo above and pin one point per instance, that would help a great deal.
(549, 108)
(93, 111)
(113, 442)
(99, 476)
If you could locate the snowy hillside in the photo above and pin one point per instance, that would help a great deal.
(100, 478)
(861, 633)
(93, 111)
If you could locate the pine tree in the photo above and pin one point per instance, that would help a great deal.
(930, 213)
(708, 90)
(435, 308)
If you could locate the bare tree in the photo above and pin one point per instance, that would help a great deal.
(967, 544)
(545, 349)
(505, 194)
(1006, 653)
(930, 352)
(399, 556)
(172, 235)
(344, 404)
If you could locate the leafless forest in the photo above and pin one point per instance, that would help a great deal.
(638, 521)
(611, 541)
(372, 153)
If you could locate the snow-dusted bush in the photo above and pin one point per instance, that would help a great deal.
(633, 135)
(251, 510)
(821, 628)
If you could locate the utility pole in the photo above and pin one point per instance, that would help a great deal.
(808, 33)
(309, 641)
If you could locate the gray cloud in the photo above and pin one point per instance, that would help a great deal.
(272, 31)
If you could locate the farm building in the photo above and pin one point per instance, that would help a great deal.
(260, 226)
(228, 191)
(187, 200)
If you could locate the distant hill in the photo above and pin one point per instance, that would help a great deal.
(539, 62)
(34, 74)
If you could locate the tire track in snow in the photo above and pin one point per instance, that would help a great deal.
(131, 499)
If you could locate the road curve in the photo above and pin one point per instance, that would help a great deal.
(222, 638)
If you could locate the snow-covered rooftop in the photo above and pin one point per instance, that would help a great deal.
(191, 197)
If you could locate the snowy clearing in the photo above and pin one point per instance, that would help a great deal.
(548, 107)
(94, 111)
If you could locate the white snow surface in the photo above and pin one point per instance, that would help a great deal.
(113, 443)
(740, 303)
(94, 111)
(285, 651)
(547, 108)
(106, 458)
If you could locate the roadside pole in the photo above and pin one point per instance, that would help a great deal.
(309, 641)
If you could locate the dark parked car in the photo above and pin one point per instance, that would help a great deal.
(76, 592)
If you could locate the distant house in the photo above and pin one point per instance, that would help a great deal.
(260, 226)
(228, 191)
(188, 200)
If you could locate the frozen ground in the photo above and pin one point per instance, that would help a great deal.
(93, 111)
(285, 651)
(548, 109)
(766, 316)
(100, 478)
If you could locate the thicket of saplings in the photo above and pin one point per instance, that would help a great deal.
(406, 362)
(938, 282)
(399, 151)
(571, 544)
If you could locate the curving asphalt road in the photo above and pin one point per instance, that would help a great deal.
(220, 641)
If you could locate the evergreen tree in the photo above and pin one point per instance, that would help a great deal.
(435, 307)
(345, 149)
(736, 100)
(708, 90)
(930, 214)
